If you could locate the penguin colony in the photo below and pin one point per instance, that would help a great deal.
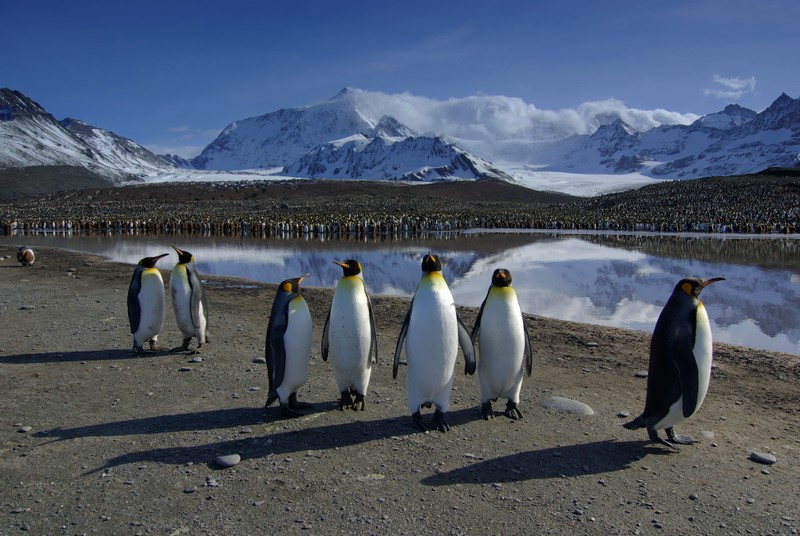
(498, 347)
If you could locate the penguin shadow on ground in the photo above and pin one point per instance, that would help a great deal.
(162, 424)
(87, 355)
(556, 462)
(255, 446)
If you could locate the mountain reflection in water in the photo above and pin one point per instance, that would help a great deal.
(615, 280)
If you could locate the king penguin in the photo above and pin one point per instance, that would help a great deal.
(288, 347)
(680, 363)
(188, 301)
(146, 303)
(504, 349)
(433, 332)
(25, 255)
(350, 336)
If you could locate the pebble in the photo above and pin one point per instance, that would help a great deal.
(261, 360)
(591, 344)
(196, 359)
(24, 429)
(227, 460)
(567, 405)
(623, 414)
(190, 489)
(763, 457)
(641, 374)
(184, 369)
(707, 434)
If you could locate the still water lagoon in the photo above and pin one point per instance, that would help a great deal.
(619, 280)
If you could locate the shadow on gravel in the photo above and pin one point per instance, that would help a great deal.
(89, 355)
(557, 462)
(274, 441)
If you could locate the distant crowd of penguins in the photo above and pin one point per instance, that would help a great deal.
(432, 333)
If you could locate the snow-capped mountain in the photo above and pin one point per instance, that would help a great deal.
(30, 136)
(346, 137)
(734, 141)
(413, 158)
(594, 148)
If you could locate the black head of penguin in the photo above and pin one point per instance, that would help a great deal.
(501, 278)
(350, 267)
(291, 285)
(693, 286)
(431, 263)
(150, 262)
(184, 257)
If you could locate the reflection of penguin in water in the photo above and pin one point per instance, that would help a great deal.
(433, 333)
(288, 347)
(25, 255)
(504, 349)
(350, 336)
(146, 303)
(188, 301)
(680, 363)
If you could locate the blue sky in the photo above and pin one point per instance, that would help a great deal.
(171, 75)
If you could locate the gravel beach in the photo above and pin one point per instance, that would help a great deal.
(96, 440)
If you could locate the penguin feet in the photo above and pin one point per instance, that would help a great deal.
(486, 410)
(416, 418)
(439, 422)
(512, 411)
(346, 401)
(183, 347)
(359, 404)
(293, 403)
(654, 437)
(672, 437)
(288, 412)
(153, 345)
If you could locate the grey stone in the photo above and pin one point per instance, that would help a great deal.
(763, 457)
(227, 460)
(567, 405)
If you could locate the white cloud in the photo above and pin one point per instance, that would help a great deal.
(731, 88)
(509, 118)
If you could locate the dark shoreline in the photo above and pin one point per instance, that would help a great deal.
(753, 204)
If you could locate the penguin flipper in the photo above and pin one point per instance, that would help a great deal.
(465, 342)
(198, 296)
(528, 349)
(325, 343)
(134, 310)
(275, 350)
(373, 346)
(474, 335)
(687, 371)
(399, 349)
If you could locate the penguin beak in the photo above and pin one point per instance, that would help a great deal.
(178, 251)
(300, 279)
(342, 264)
(713, 280)
(161, 256)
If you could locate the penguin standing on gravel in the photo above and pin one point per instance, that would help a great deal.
(146, 303)
(504, 348)
(288, 347)
(188, 301)
(680, 363)
(433, 332)
(350, 336)
(25, 256)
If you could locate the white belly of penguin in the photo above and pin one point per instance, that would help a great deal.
(431, 346)
(350, 335)
(151, 306)
(181, 293)
(702, 355)
(501, 348)
(297, 343)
